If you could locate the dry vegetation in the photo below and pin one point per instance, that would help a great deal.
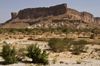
(80, 44)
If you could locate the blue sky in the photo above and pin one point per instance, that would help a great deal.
(8, 6)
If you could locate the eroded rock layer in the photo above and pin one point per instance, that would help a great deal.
(42, 12)
(48, 16)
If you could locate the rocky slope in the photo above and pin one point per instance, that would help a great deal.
(47, 16)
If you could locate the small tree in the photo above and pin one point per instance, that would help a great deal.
(68, 42)
(79, 46)
(36, 55)
(59, 45)
(66, 30)
(56, 44)
(8, 54)
(4, 42)
(92, 36)
(96, 31)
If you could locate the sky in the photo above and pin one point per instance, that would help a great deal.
(8, 6)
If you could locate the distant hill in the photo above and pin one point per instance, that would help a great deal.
(51, 17)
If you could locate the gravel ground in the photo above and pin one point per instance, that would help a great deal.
(73, 63)
(69, 63)
(65, 62)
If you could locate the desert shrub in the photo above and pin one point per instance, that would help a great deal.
(79, 61)
(79, 32)
(38, 65)
(59, 45)
(96, 31)
(21, 53)
(31, 65)
(56, 55)
(13, 30)
(68, 42)
(30, 39)
(1, 31)
(45, 30)
(54, 60)
(56, 44)
(4, 42)
(99, 58)
(63, 29)
(36, 55)
(66, 30)
(8, 54)
(78, 46)
(92, 36)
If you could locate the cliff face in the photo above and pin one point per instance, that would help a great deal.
(48, 14)
(84, 16)
(42, 12)
(13, 15)
(53, 10)
(97, 20)
(87, 17)
(73, 11)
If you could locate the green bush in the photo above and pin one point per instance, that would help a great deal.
(54, 60)
(59, 45)
(4, 42)
(96, 31)
(8, 54)
(36, 55)
(92, 36)
(78, 46)
(56, 44)
(38, 65)
(68, 42)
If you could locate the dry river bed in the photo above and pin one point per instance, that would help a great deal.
(60, 62)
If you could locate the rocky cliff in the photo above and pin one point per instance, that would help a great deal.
(73, 11)
(84, 16)
(97, 20)
(14, 15)
(87, 17)
(53, 10)
(42, 12)
(32, 16)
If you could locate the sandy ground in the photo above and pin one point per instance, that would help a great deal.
(65, 63)
(66, 58)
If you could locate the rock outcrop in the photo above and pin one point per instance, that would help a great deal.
(42, 12)
(97, 20)
(73, 11)
(87, 17)
(48, 15)
(13, 15)
(84, 16)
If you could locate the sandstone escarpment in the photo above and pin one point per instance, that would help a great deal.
(42, 12)
(87, 17)
(59, 14)
(84, 16)
(73, 11)
(97, 20)
(14, 15)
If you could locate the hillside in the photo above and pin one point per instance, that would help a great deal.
(51, 17)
